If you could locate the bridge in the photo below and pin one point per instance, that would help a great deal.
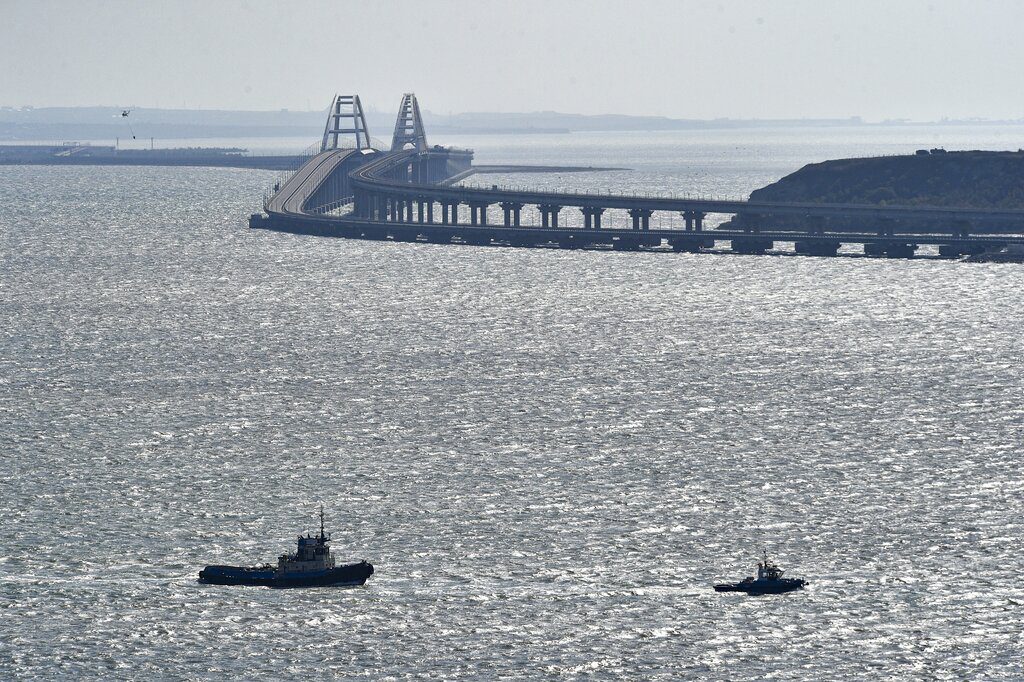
(410, 191)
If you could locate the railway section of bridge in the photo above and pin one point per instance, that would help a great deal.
(410, 193)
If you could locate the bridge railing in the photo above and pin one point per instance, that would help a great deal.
(685, 196)
(282, 178)
(314, 181)
(604, 193)
(332, 207)
(375, 143)
(304, 156)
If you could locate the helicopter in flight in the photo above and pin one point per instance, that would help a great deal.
(124, 115)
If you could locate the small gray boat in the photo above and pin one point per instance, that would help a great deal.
(769, 580)
(311, 566)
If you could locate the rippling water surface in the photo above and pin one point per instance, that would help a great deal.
(549, 456)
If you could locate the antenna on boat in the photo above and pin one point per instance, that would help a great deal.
(322, 521)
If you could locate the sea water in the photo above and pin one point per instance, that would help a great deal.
(549, 456)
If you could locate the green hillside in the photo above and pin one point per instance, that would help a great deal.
(973, 178)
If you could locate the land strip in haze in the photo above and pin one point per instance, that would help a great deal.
(104, 122)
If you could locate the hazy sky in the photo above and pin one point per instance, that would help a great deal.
(685, 58)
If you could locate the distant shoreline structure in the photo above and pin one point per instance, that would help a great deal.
(85, 154)
(98, 123)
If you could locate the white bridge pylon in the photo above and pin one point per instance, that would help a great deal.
(409, 132)
(346, 117)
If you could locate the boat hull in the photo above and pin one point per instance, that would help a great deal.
(757, 587)
(340, 576)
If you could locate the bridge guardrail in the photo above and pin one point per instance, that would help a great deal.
(671, 194)
(331, 207)
(282, 178)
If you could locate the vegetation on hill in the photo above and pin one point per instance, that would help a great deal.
(974, 178)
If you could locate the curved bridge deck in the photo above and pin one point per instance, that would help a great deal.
(291, 198)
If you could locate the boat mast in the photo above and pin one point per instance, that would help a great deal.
(322, 522)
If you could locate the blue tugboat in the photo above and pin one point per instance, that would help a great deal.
(311, 566)
(769, 580)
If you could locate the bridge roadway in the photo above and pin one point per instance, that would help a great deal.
(291, 197)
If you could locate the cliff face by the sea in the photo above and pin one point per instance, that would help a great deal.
(970, 179)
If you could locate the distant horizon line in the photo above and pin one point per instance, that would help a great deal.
(854, 119)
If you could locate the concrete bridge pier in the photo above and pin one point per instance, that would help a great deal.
(901, 250)
(375, 207)
(549, 215)
(592, 217)
(890, 249)
(449, 213)
(690, 244)
(694, 220)
(752, 246)
(441, 171)
(817, 247)
(478, 213)
(641, 218)
(512, 211)
(429, 169)
(956, 250)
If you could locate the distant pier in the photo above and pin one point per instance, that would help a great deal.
(75, 154)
